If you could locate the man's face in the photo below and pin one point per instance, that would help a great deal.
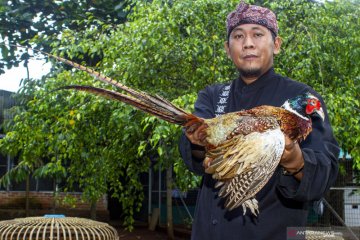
(251, 47)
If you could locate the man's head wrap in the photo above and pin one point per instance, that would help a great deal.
(245, 13)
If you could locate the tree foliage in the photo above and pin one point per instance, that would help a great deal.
(174, 48)
(322, 49)
(43, 21)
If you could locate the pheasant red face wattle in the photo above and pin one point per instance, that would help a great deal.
(314, 106)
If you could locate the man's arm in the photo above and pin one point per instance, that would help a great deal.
(319, 153)
(194, 153)
(292, 160)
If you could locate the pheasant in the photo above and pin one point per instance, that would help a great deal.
(243, 148)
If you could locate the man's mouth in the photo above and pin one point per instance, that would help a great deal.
(250, 57)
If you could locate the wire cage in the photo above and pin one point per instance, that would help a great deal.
(56, 228)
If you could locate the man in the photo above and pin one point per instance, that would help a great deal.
(306, 170)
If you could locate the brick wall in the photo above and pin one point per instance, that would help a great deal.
(12, 204)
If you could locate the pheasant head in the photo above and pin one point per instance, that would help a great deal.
(304, 106)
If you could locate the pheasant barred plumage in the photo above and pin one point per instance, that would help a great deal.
(243, 149)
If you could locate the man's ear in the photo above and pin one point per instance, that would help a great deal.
(277, 45)
(227, 49)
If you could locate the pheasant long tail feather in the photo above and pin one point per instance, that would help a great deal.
(143, 97)
(150, 104)
(154, 105)
(92, 72)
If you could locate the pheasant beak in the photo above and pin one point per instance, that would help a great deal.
(320, 112)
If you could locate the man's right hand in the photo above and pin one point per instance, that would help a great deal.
(197, 134)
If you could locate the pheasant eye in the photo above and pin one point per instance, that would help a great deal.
(313, 104)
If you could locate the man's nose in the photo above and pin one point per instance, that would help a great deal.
(248, 43)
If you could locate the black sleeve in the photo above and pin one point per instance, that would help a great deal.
(204, 108)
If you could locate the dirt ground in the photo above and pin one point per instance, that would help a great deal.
(142, 233)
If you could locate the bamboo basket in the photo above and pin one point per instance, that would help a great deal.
(52, 228)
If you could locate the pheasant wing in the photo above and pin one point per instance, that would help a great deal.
(244, 164)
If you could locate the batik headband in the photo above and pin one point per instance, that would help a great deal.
(246, 13)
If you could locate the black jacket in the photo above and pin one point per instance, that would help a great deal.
(283, 201)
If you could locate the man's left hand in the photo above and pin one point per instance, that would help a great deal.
(292, 159)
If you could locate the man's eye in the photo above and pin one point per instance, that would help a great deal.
(238, 36)
(259, 34)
